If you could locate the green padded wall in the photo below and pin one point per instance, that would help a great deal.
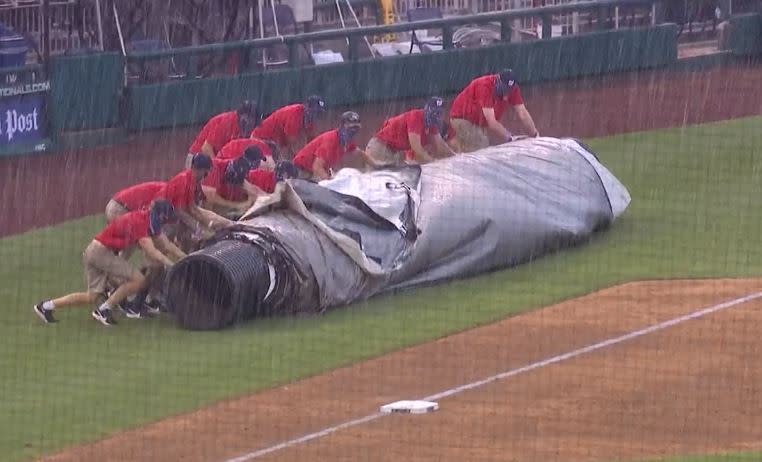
(194, 101)
(746, 34)
(85, 91)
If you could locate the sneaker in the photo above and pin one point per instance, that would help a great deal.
(104, 317)
(135, 313)
(129, 310)
(152, 307)
(45, 315)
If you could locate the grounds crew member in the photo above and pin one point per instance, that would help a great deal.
(103, 263)
(222, 128)
(292, 126)
(132, 198)
(317, 159)
(223, 187)
(481, 105)
(262, 181)
(409, 131)
(184, 192)
(251, 148)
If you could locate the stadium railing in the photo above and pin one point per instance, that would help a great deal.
(602, 10)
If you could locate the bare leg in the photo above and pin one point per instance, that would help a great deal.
(44, 309)
(77, 298)
(125, 290)
(103, 313)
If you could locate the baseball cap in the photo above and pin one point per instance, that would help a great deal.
(237, 170)
(201, 161)
(435, 104)
(507, 77)
(248, 107)
(350, 118)
(254, 154)
(315, 103)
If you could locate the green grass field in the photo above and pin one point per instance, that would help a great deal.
(696, 212)
(726, 457)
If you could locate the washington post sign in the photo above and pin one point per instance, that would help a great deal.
(23, 116)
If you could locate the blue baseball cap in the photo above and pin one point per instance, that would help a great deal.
(201, 161)
(507, 77)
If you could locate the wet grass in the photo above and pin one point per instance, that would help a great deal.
(696, 212)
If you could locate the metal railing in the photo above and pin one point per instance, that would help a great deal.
(70, 26)
(600, 10)
(326, 12)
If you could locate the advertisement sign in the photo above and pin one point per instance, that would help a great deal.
(23, 116)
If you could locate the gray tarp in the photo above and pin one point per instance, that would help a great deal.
(361, 234)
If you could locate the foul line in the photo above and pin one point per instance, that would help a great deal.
(503, 375)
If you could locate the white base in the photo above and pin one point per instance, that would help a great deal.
(410, 407)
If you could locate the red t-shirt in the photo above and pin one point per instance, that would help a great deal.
(325, 146)
(479, 94)
(139, 196)
(218, 131)
(395, 130)
(181, 191)
(262, 179)
(127, 230)
(216, 180)
(286, 122)
(235, 148)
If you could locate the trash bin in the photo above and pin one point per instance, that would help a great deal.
(13, 47)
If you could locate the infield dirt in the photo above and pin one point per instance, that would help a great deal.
(695, 387)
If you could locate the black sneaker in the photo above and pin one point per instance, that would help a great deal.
(104, 317)
(152, 307)
(132, 312)
(45, 315)
(129, 310)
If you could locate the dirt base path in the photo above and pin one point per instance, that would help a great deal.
(40, 190)
(690, 386)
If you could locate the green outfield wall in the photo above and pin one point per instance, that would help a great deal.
(184, 102)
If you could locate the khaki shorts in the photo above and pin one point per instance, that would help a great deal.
(383, 155)
(104, 268)
(114, 210)
(470, 136)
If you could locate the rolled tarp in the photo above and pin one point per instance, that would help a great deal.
(309, 247)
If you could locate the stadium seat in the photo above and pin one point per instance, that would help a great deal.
(423, 14)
